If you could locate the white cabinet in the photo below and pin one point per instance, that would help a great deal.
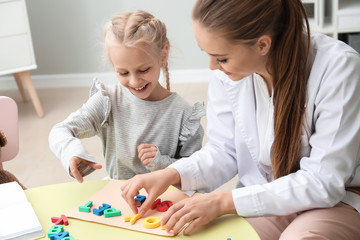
(16, 48)
(334, 17)
(348, 16)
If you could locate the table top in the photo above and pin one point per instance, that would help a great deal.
(54, 200)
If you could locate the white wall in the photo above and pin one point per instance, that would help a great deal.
(67, 34)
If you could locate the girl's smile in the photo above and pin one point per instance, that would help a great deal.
(138, 71)
(141, 89)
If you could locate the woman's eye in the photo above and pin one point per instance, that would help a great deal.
(221, 61)
(144, 71)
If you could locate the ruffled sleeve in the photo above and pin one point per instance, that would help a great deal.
(100, 87)
(190, 139)
(192, 125)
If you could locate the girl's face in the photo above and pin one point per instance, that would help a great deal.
(138, 71)
(235, 60)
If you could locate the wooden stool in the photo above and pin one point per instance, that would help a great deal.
(26, 77)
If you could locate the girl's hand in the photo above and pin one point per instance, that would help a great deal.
(87, 166)
(147, 153)
(154, 183)
(197, 211)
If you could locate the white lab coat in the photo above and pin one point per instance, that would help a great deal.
(330, 158)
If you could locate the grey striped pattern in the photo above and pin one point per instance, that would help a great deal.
(123, 121)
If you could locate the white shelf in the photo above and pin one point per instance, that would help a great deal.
(348, 14)
(335, 16)
(351, 7)
(327, 28)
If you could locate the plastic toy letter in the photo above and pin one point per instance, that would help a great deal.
(55, 229)
(111, 212)
(111, 195)
(59, 236)
(87, 207)
(101, 209)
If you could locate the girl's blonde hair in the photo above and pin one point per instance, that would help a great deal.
(245, 21)
(136, 28)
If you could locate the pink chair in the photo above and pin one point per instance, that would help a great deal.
(9, 126)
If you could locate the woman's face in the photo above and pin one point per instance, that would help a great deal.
(235, 60)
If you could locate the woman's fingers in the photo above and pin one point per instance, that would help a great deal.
(196, 211)
(147, 204)
(129, 191)
(154, 183)
(192, 226)
(179, 217)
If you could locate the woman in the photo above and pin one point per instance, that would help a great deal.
(282, 114)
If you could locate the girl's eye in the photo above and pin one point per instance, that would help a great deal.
(221, 61)
(144, 71)
(123, 73)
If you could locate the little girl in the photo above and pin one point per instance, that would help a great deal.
(143, 126)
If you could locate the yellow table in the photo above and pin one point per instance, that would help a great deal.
(54, 200)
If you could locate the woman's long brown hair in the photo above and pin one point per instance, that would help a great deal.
(244, 21)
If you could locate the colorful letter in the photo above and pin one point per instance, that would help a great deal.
(101, 209)
(86, 207)
(111, 212)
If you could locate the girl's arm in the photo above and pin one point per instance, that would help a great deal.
(64, 137)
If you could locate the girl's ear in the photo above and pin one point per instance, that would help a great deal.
(164, 55)
(264, 44)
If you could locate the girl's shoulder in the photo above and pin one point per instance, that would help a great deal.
(178, 103)
(103, 89)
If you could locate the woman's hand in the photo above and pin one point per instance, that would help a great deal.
(197, 211)
(147, 153)
(154, 183)
(78, 166)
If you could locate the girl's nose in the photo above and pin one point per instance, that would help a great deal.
(133, 81)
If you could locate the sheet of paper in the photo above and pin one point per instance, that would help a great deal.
(111, 194)
(11, 193)
(17, 220)
(17, 217)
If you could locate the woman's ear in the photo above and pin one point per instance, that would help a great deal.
(164, 55)
(264, 44)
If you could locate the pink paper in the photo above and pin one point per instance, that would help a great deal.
(111, 194)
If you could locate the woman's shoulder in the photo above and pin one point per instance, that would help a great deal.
(335, 66)
(331, 48)
(332, 60)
